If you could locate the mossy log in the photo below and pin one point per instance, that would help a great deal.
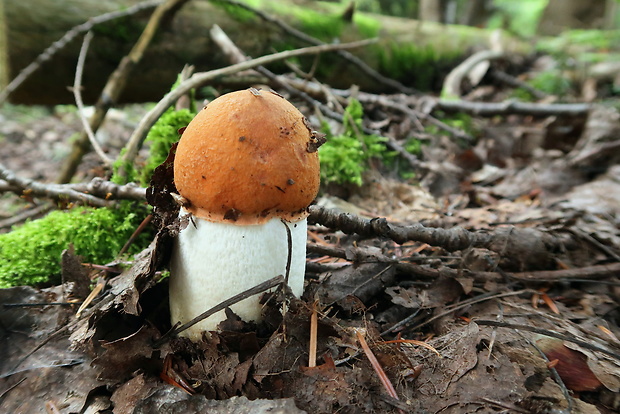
(411, 51)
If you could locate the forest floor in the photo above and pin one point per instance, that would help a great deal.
(524, 317)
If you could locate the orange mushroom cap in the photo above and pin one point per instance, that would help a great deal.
(247, 157)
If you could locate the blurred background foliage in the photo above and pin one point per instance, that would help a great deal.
(523, 18)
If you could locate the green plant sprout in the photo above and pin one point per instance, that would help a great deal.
(346, 156)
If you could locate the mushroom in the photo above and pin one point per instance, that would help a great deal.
(247, 167)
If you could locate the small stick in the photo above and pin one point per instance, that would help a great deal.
(314, 322)
(93, 294)
(38, 304)
(414, 342)
(77, 94)
(24, 215)
(50, 190)
(552, 334)
(12, 387)
(376, 366)
(289, 256)
(135, 234)
(370, 72)
(554, 374)
(266, 285)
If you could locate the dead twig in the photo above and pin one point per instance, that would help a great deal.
(463, 304)
(77, 94)
(554, 374)
(513, 107)
(109, 190)
(266, 285)
(517, 83)
(24, 215)
(452, 83)
(581, 273)
(147, 220)
(376, 365)
(552, 334)
(54, 191)
(58, 45)
(314, 323)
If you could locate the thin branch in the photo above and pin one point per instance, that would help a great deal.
(266, 285)
(453, 239)
(109, 190)
(517, 83)
(198, 79)
(553, 334)
(55, 191)
(314, 323)
(466, 303)
(452, 83)
(68, 37)
(514, 107)
(25, 215)
(387, 384)
(77, 94)
(554, 374)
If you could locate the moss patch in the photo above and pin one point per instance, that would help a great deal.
(413, 65)
(30, 254)
(344, 157)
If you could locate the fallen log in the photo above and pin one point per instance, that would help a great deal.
(408, 50)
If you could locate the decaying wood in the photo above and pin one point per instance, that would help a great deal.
(58, 45)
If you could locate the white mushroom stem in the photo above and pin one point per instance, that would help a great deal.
(213, 261)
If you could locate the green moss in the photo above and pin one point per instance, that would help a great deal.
(367, 26)
(30, 254)
(321, 26)
(521, 17)
(128, 167)
(593, 39)
(237, 13)
(346, 156)
(410, 64)
(551, 82)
